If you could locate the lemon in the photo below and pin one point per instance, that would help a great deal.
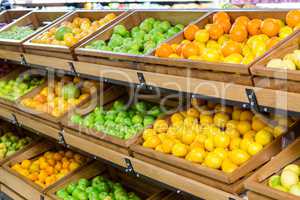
(152, 142)
(200, 138)
(160, 126)
(238, 156)
(176, 117)
(179, 150)
(171, 133)
(278, 130)
(235, 143)
(243, 127)
(245, 143)
(212, 160)
(285, 31)
(202, 35)
(246, 50)
(232, 133)
(148, 132)
(236, 114)
(189, 121)
(162, 136)
(221, 152)
(232, 124)
(220, 119)
(246, 115)
(197, 145)
(249, 134)
(222, 108)
(211, 55)
(196, 155)
(159, 148)
(254, 148)
(234, 58)
(211, 44)
(209, 144)
(269, 129)
(263, 137)
(257, 125)
(192, 112)
(206, 119)
(167, 145)
(188, 137)
(224, 38)
(221, 140)
(228, 166)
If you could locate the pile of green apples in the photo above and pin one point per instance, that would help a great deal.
(120, 121)
(288, 180)
(99, 188)
(141, 39)
(10, 143)
(15, 88)
(17, 32)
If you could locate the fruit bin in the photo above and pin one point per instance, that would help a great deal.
(133, 19)
(100, 137)
(257, 183)
(64, 51)
(225, 72)
(278, 78)
(8, 16)
(141, 188)
(24, 186)
(9, 192)
(38, 20)
(230, 182)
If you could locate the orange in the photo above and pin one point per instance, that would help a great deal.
(69, 154)
(243, 127)
(253, 26)
(220, 16)
(70, 40)
(42, 176)
(164, 50)
(272, 41)
(57, 156)
(51, 162)
(33, 176)
(242, 20)
(215, 31)
(238, 33)
(26, 164)
(226, 25)
(189, 50)
(73, 166)
(270, 27)
(58, 166)
(49, 170)
(43, 165)
(231, 47)
(65, 165)
(49, 180)
(293, 18)
(190, 31)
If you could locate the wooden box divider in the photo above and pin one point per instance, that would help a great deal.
(23, 186)
(40, 20)
(133, 19)
(257, 183)
(68, 52)
(229, 182)
(146, 191)
(276, 78)
(8, 16)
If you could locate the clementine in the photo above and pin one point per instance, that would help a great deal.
(225, 24)
(270, 27)
(189, 50)
(238, 34)
(215, 31)
(190, 31)
(293, 18)
(253, 26)
(164, 50)
(231, 47)
(220, 16)
(242, 20)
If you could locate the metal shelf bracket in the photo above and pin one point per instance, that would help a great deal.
(129, 169)
(23, 60)
(73, 69)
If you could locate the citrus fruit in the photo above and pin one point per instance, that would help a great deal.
(246, 115)
(234, 58)
(152, 142)
(176, 117)
(190, 32)
(263, 137)
(189, 50)
(225, 24)
(211, 55)
(206, 119)
(228, 166)
(160, 126)
(242, 20)
(285, 31)
(192, 112)
(188, 137)
(272, 41)
(293, 18)
(221, 140)
(232, 133)
(235, 143)
(257, 125)
(202, 35)
(278, 130)
(212, 160)
(209, 144)
(196, 155)
(147, 133)
(236, 114)
(238, 34)
(270, 27)
(231, 47)
(164, 50)
(224, 38)
(238, 156)
(26, 164)
(179, 150)
(220, 16)
(221, 152)
(254, 148)
(245, 143)
(249, 134)
(253, 26)
(215, 31)
(167, 145)
(159, 148)
(220, 119)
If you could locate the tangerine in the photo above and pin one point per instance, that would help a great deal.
(270, 27)
(242, 20)
(164, 50)
(293, 18)
(215, 31)
(190, 31)
(253, 26)
(189, 50)
(272, 41)
(220, 16)
(231, 47)
(225, 24)
(238, 34)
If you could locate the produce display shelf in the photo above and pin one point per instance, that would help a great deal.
(268, 99)
(153, 172)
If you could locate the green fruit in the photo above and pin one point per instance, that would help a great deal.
(71, 187)
(179, 26)
(281, 188)
(165, 25)
(146, 26)
(274, 181)
(295, 189)
(60, 33)
(103, 195)
(97, 179)
(140, 107)
(101, 187)
(62, 193)
(76, 119)
(133, 196)
(83, 183)
(154, 111)
(70, 91)
(289, 178)
(121, 30)
(148, 120)
(137, 119)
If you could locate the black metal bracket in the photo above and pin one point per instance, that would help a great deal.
(61, 137)
(23, 60)
(15, 120)
(73, 69)
(230, 198)
(252, 99)
(142, 80)
(129, 169)
(42, 197)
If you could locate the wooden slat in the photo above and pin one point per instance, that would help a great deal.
(9, 192)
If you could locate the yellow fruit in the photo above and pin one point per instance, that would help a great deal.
(224, 109)
(257, 125)
(236, 115)
(148, 132)
(206, 119)
(212, 160)
(211, 55)
(245, 143)
(221, 152)
(254, 148)
(200, 138)
(202, 35)
(269, 129)
(159, 148)
(152, 142)
(243, 127)
(189, 121)
(228, 166)
(162, 136)
(73, 166)
(221, 140)
(197, 145)
(249, 134)
(220, 120)
(160, 126)
(26, 164)
(234, 58)
(238, 156)
(232, 133)
(196, 155)
(209, 144)
(188, 137)
(278, 130)
(176, 118)
(263, 137)
(192, 112)
(235, 143)
(171, 133)
(167, 145)
(232, 124)
(179, 150)
(246, 115)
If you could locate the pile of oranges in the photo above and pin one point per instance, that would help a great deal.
(228, 40)
(215, 136)
(50, 167)
(79, 28)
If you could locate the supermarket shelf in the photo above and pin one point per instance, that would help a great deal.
(148, 170)
(268, 99)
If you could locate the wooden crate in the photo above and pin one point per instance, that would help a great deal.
(279, 79)
(229, 182)
(11, 193)
(23, 186)
(9, 16)
(68, 52)
(256, 196)
(132, 20)
(141, 188)
(258, 182)
(40, 20)
(206, 69)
